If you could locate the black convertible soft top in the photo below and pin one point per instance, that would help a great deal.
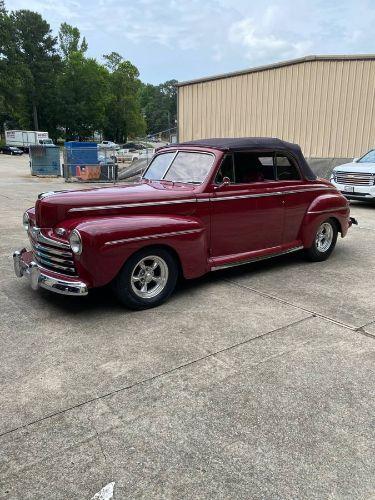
(255, 143)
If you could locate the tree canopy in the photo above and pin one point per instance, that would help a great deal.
(49, 83)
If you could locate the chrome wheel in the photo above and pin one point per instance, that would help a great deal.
(149, 277)
(324, 237)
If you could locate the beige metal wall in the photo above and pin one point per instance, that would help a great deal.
(325, 106)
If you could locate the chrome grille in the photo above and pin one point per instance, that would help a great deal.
(52, 255)
(354, 178)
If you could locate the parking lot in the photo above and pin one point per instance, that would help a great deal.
(255, 382)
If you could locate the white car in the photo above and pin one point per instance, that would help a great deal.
(108, 144)
(356, 180)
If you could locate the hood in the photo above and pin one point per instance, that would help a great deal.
(361, 168)
(52, 208)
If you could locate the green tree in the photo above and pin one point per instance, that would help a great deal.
(38, 62)
(82, 95)
(113, 60)
(70, 40)
(5, 37)
(159, 105)
(123, 111)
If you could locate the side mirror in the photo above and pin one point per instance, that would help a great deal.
(355, 160)
(224, 182)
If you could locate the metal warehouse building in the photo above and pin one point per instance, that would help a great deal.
(323, 103)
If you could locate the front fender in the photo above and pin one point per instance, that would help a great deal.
(330, 205)
(109, 241)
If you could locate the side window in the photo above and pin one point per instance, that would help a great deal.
(253, 167)
(286, 170)
(225, 170)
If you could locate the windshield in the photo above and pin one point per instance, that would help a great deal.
(368, 158)
(185, 166)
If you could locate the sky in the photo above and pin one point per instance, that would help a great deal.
(190, 39)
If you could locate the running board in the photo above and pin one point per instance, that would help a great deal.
(256, 259)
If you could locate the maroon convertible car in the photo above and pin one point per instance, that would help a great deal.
(200, 206)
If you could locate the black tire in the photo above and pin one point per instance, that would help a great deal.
(166, 273)
(321, 250)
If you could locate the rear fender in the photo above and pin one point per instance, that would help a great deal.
(325, 206)
(109, 242)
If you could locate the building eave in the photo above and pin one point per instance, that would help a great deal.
(291, 62)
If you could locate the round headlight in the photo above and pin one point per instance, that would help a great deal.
(75, 242)
(26, 221)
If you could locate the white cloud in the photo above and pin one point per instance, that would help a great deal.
(261, 45)
(56, 11)
(184, 40)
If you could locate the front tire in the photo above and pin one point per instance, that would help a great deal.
(147, 279)
(324, 241)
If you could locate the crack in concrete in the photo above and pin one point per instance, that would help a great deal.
(287, 302)
(372, 322)
(362, 331)
(359, 329)
(154, 377)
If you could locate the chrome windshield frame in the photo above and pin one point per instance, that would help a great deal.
(173, 159)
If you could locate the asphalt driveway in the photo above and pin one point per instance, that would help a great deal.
(255, 382)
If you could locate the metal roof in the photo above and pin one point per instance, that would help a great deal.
(354, 57)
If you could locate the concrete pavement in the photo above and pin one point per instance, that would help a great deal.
(254, 382)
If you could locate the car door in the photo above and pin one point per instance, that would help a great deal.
(297, 195)
(247, 213)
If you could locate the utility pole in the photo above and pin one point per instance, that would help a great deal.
(35, 116)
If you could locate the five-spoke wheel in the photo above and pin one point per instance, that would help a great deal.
(149, 276)
(324, 237)
(147, 279)
(324, 241)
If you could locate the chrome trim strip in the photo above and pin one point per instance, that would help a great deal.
(194, 200)
(133, 205)
(244, 196)
(255, 259)
(54, 265)
(273, 193)
(53, 259)
(45, 194)
(52, 251)
(152, 237)
(35, 233)
(327, 211)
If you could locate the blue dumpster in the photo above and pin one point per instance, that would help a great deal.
(79, 154)
(45, 160)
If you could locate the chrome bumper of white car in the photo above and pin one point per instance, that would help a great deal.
(358, 193)
(38, 278)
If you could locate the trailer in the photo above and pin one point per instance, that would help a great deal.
(24, 138)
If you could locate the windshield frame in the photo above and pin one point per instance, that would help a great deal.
(176, 152)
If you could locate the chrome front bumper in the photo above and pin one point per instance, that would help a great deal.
(38, 278)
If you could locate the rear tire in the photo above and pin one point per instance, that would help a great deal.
(147, 279)
(324, 241)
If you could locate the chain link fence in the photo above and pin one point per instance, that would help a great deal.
(89, 162)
